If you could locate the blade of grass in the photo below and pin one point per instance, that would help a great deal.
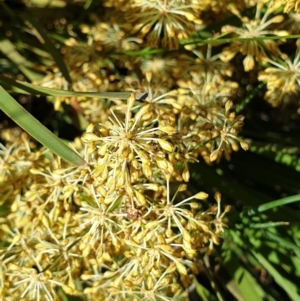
(10, 51)
(241, 244)
(49, 3)
(289, 287)
(280, 202)
(22, 87)
(42, 36)
(87, 7)
(58, 37)
(143, 52)
(296, 264)
(247, 285)
(242, 284)
(229, 40)
(207, 175)
(267, 225)
(33, 127)
(283, 242)
(238, 243)
(214, 284)
(7, 10)
(204, 293)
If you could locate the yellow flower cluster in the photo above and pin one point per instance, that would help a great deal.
(118, 37)
(125, 226)
(112, 225)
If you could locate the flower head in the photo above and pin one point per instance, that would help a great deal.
(254, 50)
(283, 78)
(288, 5)
(164, 22)
(134, 141)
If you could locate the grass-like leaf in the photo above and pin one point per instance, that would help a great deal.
(289, 287)
(204, 293)
(230, 40)
(206, 175)
(246, 285)
(10, 51)
(283, 242)
(45, 40)
(22, 87)
(87, 8)
(280, 202)
(33, 127)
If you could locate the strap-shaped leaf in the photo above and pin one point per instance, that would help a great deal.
(42, 35)
(33, 127)
(281, 202)
(22, 87)
(291, 288)
(11, 52)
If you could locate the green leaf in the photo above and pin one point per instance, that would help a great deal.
(116, 203)
(282, 241)
(22, 87)
(204, 293)
(280, 202)
(33, 127)
(87, 8)
(10, 51)
(267, 225)
(48, 3)
(143, 52)
(230, 186)
(45, 40)
(246, 285)
(230, 40)
(242, 285)
(289, 287)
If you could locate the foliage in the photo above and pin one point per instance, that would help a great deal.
(143, 105)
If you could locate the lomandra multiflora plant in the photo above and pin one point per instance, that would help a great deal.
(125, 226)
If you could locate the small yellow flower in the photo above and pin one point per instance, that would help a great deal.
(288, 5)
(112, 34)
(31, 284)
(254, 50)
(292, 24)
(164, 22)
(283, 79)
(134, 140)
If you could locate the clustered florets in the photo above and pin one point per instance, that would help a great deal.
(112, 224)
(125, 226)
